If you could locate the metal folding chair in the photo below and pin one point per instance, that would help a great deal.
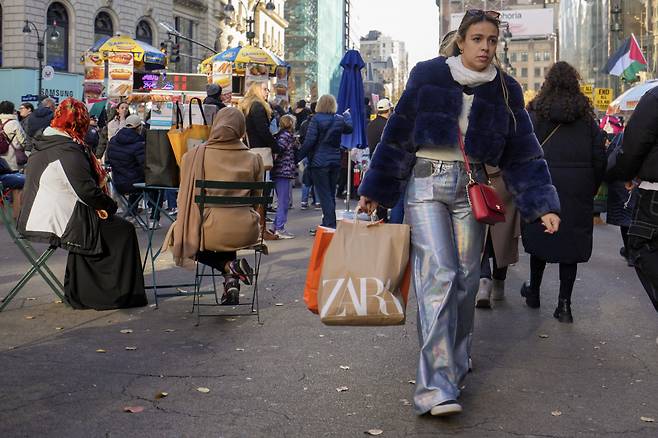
(204, 201)
(38, 261)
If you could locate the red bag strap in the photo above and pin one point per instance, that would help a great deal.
(466, 162)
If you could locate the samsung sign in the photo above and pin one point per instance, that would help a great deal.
(522, 22)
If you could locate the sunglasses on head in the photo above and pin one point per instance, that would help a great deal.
(481, 13)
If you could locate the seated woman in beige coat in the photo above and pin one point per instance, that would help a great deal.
(225, 229)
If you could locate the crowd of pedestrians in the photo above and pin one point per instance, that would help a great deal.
(546, 160)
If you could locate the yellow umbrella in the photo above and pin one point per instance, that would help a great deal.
(240, 56)
(141, 51)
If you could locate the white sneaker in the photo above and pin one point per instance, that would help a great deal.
(153, 224)
(483, 298)
(498, 291)
(446, 408)
(283, 234)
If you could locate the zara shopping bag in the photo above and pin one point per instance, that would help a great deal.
(363, 273)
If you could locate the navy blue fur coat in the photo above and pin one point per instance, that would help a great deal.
(428, 114)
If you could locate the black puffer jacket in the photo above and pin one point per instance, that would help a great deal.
(258, 128)
(125, 154)
(39, 120)
(214, 100)
(61, 196)
(640, 148)
(576, 159)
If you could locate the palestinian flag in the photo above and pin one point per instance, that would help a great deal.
(627, 61)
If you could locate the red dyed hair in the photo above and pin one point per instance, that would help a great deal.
(72, 117)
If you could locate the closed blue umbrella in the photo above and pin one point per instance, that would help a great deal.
(351, 95)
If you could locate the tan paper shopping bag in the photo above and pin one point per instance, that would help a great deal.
(362, 275)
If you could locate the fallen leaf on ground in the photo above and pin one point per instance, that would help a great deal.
(59, 328)
(342, 388)
(374, 432)
(647, 419)
(133, 409)
(543, 336)
(344, 367)
(239, 349)
(100, 350)
(556, 413)
(169, 330)
(29, 317)
(405, 402)
(160, 395)
(131, 348)
(126, 331)
(413, 382)
(58, 302)
(31, 298)
(203, 390)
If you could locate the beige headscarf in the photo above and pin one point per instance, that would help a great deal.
(184, 235)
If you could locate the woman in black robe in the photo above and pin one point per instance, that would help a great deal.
(66, 205)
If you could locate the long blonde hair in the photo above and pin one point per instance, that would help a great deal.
(254, 94)
(326, 104)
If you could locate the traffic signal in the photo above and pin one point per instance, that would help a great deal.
(175, 53)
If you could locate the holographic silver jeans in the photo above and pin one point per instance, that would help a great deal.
(446, 245)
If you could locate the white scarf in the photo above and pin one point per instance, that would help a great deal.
(467, 77)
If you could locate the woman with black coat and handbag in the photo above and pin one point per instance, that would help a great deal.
(258, 114)
(574, 147)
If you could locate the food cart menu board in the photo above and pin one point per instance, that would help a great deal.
(120, 71)
(170, 81)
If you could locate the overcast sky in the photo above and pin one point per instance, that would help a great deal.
(416, 22)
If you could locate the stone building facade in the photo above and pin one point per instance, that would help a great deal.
(77, 24)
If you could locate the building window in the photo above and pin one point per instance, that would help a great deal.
(103, 26)
(547, 56)
(524, 56)
(144, 32)
(537, 72)
(186, 27)
(57, 45)
(512, 57)
(537, 86)
(524, 72)
(538, 56)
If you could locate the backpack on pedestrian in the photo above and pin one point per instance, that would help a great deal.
(5, 141)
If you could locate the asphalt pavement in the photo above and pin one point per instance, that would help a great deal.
(66, 373)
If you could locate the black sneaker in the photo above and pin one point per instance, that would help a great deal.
(231, 295)
(312, 231)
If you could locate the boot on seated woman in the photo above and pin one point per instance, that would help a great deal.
(215, 240)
